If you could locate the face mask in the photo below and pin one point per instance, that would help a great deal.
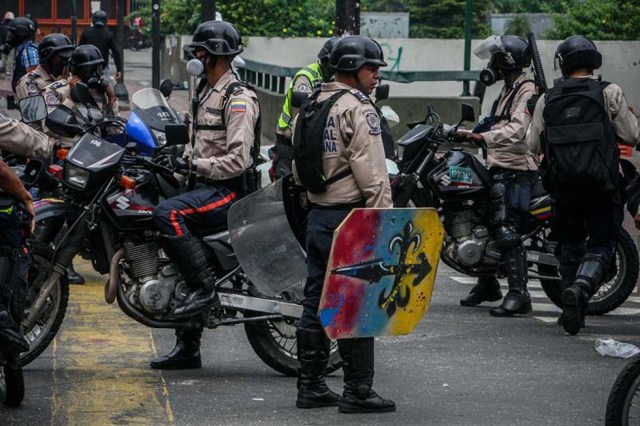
(195, 67)
(57, 68)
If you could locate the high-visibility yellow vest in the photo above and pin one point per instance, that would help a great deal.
(314, 74)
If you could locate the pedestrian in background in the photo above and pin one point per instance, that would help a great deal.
(100, 36)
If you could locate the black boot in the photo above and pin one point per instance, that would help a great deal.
(517, 301)
(576, 298)
(568, 276)
(186, 353)
(358, 397)
(187, 253)
(313, 354)
(73, 276)
(486, 290)
(11, 339)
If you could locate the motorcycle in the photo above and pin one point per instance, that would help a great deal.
(109, 194)
(458, 185)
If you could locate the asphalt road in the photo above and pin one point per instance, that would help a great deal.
(459, 367)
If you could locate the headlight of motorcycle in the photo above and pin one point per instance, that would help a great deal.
(160, 136)
(76, 176)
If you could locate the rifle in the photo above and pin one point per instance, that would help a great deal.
(538, 72)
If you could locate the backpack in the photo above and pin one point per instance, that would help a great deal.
(308, 143)
(579, 143)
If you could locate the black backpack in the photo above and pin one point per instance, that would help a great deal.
(581, 155)
(308, 143)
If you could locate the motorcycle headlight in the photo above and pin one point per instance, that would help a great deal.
(160, 136)
(76, 176)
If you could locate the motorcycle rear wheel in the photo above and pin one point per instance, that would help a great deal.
(613, 292)
(46, 328)
(11, 383)
(623, 405)
(275, 343)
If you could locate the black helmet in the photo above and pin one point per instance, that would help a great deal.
(577, 52)
(99, 18)
(325, 52)
(351, 53)
(517, 54)
(85, 59)
(219, 38)
(22, 28)
(54, 43)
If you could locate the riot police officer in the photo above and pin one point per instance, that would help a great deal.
(225, 118)
(512, 166)
(22, 32)
(85, 65)
(305, 81)
(54, 51)
(354, 163)
(588, 215)
(100, 36)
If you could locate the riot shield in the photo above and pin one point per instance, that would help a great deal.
(263, 241)
(381, 272)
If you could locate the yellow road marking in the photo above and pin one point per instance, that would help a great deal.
(101, 372)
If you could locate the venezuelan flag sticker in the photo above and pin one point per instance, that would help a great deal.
(238, 105)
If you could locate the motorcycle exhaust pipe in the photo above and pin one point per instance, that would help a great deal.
(111, 286)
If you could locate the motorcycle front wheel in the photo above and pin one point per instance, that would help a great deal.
(613, 292)
(11, 380)
(46, 327)
(623, 405)
(274, 341)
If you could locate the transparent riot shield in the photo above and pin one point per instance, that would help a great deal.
(264, 242)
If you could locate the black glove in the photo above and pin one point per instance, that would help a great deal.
(177, 164)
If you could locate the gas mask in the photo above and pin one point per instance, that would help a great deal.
(92, 77)
(491, 73)
(11, 42)
(196, 67)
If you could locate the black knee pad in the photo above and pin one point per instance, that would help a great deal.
(507, 238)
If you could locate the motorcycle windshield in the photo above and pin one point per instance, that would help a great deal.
(489, 46)
(264, 243)
(153, 108)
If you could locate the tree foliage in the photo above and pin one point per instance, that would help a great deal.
(269, 18)
(598, 20)
(518, 25)
(445, 18)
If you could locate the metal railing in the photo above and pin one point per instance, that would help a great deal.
(274, 77)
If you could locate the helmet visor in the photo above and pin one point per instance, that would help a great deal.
(488, 47)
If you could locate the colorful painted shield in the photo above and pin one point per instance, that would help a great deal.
(381, 272)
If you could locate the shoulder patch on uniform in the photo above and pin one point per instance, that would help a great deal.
(51, 98)
(304, 88)
(58, 84)
(373, 121)
(238, 105)
(361, 96)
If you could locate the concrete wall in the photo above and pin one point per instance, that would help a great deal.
(621, 65)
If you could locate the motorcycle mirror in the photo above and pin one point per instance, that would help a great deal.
(468, 113)
(177, 134)
(33, 109)
(80, 94)
(62, 121)
(166, 87)
(382, 92)
(298, 98)
(32, 172)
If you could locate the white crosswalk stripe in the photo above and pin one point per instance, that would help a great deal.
(545, 310)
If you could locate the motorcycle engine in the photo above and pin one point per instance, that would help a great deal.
(156, 294)
(467, 236)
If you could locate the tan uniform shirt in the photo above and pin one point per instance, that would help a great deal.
(224, 154)
(625, 124)
(19, 138)
(302, 84)
(506, 139)
(33, 83)
(352, 139)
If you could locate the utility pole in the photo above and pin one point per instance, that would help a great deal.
(120, 35)
(74, 23)
(208, 10)
(155, 50)
(347, 17)
(468, 23)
